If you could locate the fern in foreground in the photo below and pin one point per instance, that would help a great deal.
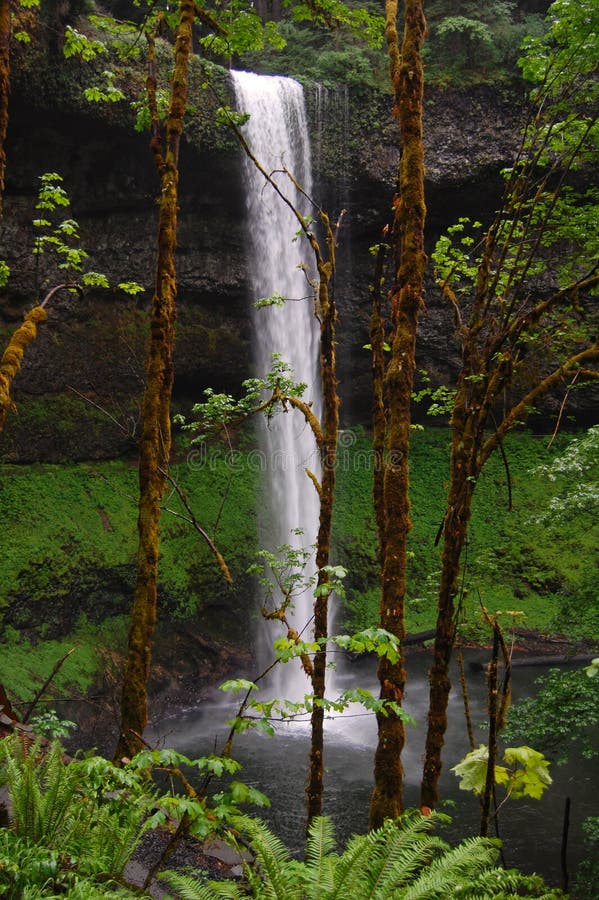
(400, 861)
(64, 838)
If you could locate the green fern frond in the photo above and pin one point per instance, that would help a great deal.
(320, 841)
(453, 870)
(507, 884)
(51, 807)
(190, 888)
(272, 859)
(59, 787)
(23, 864)
(319, 863)
(401, 867)
(351, 866)
(386, 858)
(25, 793)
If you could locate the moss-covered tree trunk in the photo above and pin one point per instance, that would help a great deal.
(328, 454)
(408, 239)
(455, 531)
(13, 355)
(155, 441)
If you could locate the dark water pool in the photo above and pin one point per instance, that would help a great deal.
(531, 830)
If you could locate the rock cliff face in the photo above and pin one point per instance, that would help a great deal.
(79, 388)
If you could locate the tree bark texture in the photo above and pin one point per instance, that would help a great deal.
(408, 240)
(463, 475)
(155, 440)
(379, 418)
(328, 454)
(13, 355)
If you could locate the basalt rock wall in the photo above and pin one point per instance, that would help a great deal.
(79, 388)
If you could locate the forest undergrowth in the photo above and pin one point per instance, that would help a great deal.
(69, 562)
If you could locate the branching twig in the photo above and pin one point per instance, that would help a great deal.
(194, 522)
(39, 693)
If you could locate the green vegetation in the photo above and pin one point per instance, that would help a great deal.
(331, 44)
(26, 662)
(66, 838)
(470, 42)
(68, 559)
(467, 43)
(400, 860)
(75, 824)
(511, 561)
(561, 716)
(313, 53)
(587, 877)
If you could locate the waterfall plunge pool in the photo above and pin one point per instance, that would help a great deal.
(531, 830)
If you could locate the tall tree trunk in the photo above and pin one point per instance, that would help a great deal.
(379, 417)
(455, 530)
(408, 236)
(328, 455)
(156, 434)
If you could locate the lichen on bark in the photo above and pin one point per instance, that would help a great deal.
(154, 451)
(406, 301)
(13, 355)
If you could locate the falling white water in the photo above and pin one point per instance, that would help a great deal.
(280, 263)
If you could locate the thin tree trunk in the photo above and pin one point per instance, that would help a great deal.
(493, 702)
(408, 236)
(455, 531)
(328, 453)
(156, 435)
(377, 341)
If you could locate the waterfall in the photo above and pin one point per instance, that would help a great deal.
(280, 263)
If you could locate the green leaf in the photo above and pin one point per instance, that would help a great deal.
(274, 300)
(236, 685)
(243, 793)
(227, 117)
(77, 44)
(130, 287)
(472, 770)
(593, 670)
(526, 774)
(95, 279)
(532, 778)
(217, 765)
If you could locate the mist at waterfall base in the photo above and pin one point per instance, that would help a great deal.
(531, 830)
